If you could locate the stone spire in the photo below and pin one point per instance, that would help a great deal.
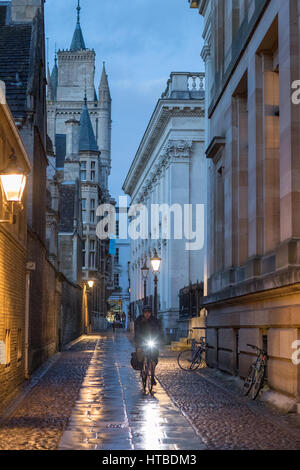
(87, 141)
(104, 92)
(54, 78)
(78, 43)
(49, 90)
(104, 129)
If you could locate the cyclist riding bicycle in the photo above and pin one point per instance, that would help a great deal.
(148, 337)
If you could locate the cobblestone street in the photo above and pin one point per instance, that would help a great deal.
(91, 399)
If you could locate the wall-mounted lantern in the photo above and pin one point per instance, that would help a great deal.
(13, 182)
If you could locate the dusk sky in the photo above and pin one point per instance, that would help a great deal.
(141, 41)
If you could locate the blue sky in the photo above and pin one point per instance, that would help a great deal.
(141, 41)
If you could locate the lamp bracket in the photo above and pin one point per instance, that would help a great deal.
(12, 209)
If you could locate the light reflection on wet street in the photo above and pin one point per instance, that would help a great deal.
(112, 413)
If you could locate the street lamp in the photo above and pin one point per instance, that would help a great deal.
(87, 286)
(155, 263)
(145, 272)
(13, 182)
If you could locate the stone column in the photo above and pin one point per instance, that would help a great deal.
(271, 155)
(179, 153)
(242, 180)
(255, 161)
(289, 69)
(72, 141)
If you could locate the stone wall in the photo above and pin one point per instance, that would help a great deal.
(44, 304)
(71, 318)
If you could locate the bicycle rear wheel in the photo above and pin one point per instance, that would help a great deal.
(258, 382)
(188, 360)
(150, 377)
(249, 380)
(144, 375)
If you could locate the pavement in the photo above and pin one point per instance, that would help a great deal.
(90, 398)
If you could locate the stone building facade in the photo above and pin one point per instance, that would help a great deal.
(22, 58)
(119, 300)
(79, 125)
(13, 259)
(169, 168)
(252, 58)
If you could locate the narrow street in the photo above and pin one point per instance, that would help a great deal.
(91, 399)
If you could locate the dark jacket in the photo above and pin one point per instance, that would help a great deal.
(144, 329)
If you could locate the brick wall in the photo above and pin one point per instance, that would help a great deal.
(12, 309)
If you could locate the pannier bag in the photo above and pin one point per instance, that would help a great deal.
(135, 364)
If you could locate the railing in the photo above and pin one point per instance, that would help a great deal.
(184, 82)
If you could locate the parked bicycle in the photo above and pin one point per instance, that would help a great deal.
(192, 359)
(256, 375)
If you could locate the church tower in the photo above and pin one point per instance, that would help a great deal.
(72, 77)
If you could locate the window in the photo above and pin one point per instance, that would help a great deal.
(7, 348)
(83, 171)
(117, 255)
(117, 229)
(83, 252)
(93, 171)
(116, 280)
(83, 203)
(19, 345)
(92, 211)
(92, 253)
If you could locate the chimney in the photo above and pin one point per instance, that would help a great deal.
(24, 11)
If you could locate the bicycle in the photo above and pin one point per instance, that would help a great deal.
(148, 369)
(192, 359)
(256, 375)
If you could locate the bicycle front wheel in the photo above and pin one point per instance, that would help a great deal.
(188, 360)
(258, 382)
(249, 380)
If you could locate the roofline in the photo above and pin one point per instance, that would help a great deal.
(12, 124)
(150, 128)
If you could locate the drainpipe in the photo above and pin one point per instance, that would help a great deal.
(29, 268)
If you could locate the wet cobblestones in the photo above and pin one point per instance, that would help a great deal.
(39, 421)
(223, 418)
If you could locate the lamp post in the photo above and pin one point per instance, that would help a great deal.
(86, 289)
(13, 182)
(155, 263)
(145, 272)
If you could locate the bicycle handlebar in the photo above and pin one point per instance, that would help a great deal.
(257, 348)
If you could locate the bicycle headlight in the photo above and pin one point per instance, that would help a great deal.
(151, 343)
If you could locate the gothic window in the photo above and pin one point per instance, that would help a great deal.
(83, 202)
(93, 171)
(92, 211)
(92, 253)
(83, 171)
(83, 252)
